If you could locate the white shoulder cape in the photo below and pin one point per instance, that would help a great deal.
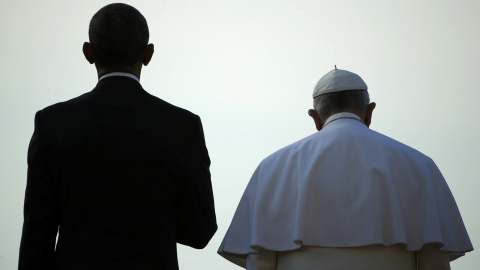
(345, 186)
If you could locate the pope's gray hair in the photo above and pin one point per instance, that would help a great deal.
(330, 103)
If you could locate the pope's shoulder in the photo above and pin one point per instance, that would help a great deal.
(395, 145)
(319, 143)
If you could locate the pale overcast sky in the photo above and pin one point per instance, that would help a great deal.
(248, 68)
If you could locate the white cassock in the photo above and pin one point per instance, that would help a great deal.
(345, 186)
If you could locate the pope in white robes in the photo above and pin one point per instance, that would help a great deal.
(346, 197)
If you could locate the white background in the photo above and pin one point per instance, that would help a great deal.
(248, 69)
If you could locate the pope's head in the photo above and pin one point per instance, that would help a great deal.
(340, 91)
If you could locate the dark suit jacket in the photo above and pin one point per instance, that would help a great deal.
(122, 176)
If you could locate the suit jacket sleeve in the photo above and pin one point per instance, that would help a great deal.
(40, 207)
(196, 221)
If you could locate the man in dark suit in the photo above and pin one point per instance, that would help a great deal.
(121, 175)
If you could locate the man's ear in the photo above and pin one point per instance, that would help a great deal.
(87, 52)
(316, 118)
(147, 54)
(368, 113)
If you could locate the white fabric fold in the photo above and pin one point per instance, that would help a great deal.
(345, 186)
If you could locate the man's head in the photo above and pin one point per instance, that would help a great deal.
(340, 91)
(118, 36)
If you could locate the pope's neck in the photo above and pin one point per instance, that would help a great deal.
(341, 115)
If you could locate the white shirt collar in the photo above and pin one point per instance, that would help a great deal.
(129, 75)
(342, 115)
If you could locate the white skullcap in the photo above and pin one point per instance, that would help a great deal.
(338, 80)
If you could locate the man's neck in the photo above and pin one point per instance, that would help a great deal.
(135, 70)
(121, 74)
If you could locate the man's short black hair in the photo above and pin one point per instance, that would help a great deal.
(118, 35)
(330, 103)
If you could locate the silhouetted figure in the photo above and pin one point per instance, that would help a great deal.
(121, 175)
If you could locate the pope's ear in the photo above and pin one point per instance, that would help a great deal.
(368, 113)
(316, 118)
(87, 52)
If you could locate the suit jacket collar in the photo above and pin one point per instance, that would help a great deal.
(116, 84)
(121, 74)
